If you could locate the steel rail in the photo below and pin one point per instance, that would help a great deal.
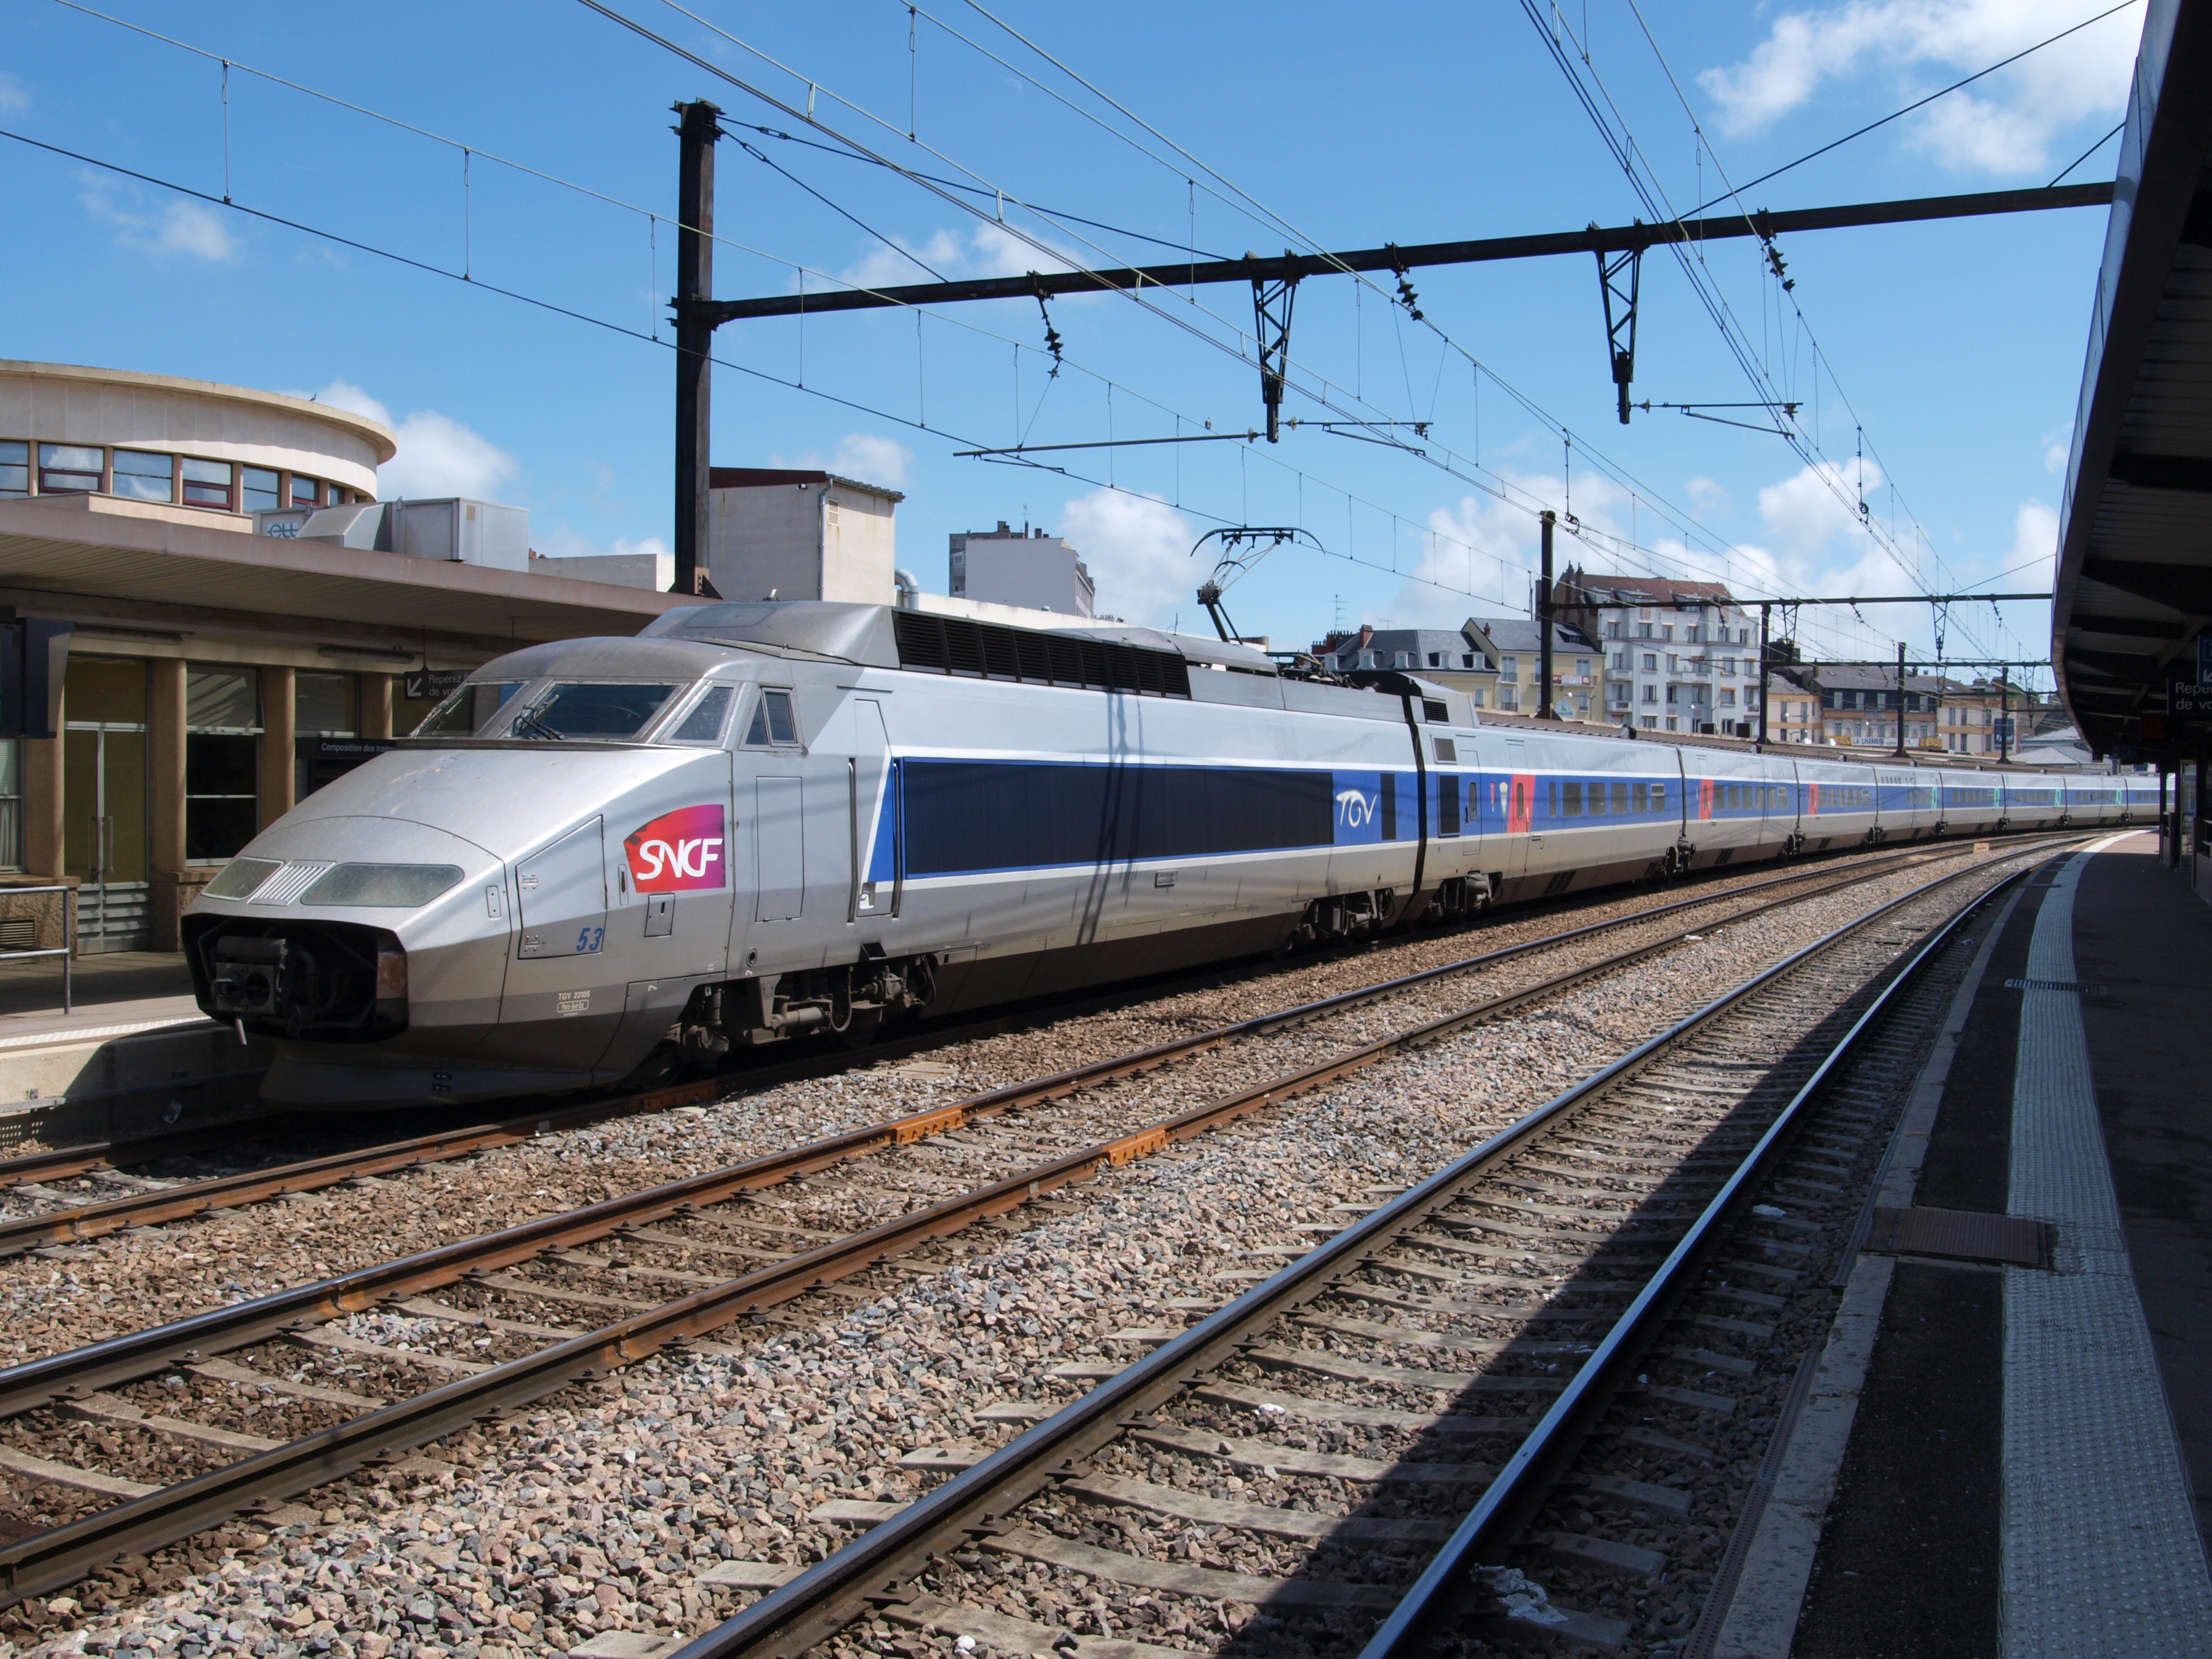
(46, 1560)
(88, 1156)
(873, 1567)
(1521, 1483)
(123, 1359)
(83, 1221)
(78, 1223)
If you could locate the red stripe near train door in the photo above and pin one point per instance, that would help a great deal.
(1519, 803)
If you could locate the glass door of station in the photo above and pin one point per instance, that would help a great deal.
(103, 787)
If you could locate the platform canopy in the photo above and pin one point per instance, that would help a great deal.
(2134, 566)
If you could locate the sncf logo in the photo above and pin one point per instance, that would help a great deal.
(679, 852)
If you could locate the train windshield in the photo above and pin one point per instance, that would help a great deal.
(591, 709)
(468, 708)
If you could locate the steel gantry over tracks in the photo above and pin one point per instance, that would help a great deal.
(1273, 281)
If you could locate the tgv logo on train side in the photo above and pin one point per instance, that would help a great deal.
(679, 852)
(1355, 807)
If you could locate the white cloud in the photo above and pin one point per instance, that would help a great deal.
(185, 228)
(987, 249)
(866, 457)
(344, 394)
(872, 460)
(1807, 511)
(1138, 551)
(188, 227)
(437, 455)
(886, 267)
(13, 99)
(2059, 449)
(1709, 495)
(2035, 543)
(2005, 124)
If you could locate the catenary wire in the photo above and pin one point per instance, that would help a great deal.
(576, 315)
(1637, 489)
(1684, 524)
(1628, 155)
(1921, 103)
(1787, 295)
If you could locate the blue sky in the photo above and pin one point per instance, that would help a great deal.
(1950, 353)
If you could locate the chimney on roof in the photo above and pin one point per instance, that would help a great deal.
(1366, 634)
(1003, 530)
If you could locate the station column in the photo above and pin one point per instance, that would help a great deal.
(376, 705)
(165, 800)
(279, 724)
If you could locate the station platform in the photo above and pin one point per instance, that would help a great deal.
(2006, 1449)
(132, 1054)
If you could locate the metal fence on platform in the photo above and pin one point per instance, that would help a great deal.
(13, 952)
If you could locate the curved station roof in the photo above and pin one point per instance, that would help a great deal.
(2134, 566)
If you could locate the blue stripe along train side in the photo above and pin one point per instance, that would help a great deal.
(759, 821)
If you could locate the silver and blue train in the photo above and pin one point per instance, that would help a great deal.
(753, 822)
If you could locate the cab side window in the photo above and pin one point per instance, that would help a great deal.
(704, 723)
(773, 724)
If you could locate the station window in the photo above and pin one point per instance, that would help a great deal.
(207, 483)
(142, 476)
(306, 492)
(222, 756)
(15, 467)
(323, 705)
(11, 804)
(259, 492)
(70, 469)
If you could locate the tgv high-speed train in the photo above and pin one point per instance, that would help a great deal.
(754, 821)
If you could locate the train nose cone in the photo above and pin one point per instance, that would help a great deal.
(371, 949)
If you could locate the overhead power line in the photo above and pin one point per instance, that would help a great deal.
(1918, 103)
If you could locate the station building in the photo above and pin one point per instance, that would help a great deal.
(214, 674)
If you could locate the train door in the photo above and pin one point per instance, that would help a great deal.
(1516, 791)
(873, 817)
(814, 830)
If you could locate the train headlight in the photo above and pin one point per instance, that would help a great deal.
(387, 886)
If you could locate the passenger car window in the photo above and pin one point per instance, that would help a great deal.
(708, 716)
(590, 709)
(772, 723)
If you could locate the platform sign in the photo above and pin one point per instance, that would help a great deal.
(2204, 659)
(431, 686)
(2188, 701)
(2003, 725)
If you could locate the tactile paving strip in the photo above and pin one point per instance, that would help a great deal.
(2100, 1552)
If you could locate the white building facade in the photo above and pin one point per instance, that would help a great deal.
(1680, 656)
(1023, 568)
(796, 534)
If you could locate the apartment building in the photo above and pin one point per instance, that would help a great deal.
(1678, 656)
(1516, 645)
(1460, 660)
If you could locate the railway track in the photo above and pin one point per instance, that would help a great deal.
(1352, 1451)
(499, 1337)
(151, 1203)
